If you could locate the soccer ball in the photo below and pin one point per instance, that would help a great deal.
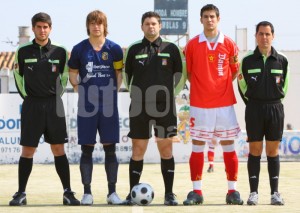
(142, 194)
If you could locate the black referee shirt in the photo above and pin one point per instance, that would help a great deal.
(263, 79)
(40, 71)
(153, 70)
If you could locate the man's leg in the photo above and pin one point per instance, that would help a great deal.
(253, 166)
(231, 167)
(111, 169)
(86, 167)
(196, 163)
(24, 171)
(63, 170)
(272, 151)
(86, 171)
(210, 157)
(167, 169)
(139, 147)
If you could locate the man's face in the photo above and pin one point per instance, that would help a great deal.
(209, 20)
(264, 37)
(96, 29)
(41, 31)
(151, 28)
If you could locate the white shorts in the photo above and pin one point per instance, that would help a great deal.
(219, 123)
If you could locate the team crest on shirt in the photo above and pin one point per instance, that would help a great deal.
(278, 79)
(211, 57)
(54, 68)
(105, 56)
(164, 62)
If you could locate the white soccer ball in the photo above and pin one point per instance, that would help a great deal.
(142, 194)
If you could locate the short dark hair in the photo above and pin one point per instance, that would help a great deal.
(210, 7)
(265, 24)
(99, 17)
(151, 14)
(41, 17)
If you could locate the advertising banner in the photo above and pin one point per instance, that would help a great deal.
(10, 126)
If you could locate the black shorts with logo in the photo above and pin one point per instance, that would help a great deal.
(43, 116)
(264, 120)
(160, 116)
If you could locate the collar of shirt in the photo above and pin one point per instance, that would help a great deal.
(155, 43)
(258, 54)
(202, 38)
(46, 47)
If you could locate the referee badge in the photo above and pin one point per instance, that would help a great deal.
(54, 68)
(164, 62)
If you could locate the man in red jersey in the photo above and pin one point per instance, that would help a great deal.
(212, 65)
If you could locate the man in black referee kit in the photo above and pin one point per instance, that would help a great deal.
(263, 81)
(41, 76)
(154, 69)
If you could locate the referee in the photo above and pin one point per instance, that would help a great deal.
(263, 81)
(153, 68)
(41, 76)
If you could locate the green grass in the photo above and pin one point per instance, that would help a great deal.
(44, 190)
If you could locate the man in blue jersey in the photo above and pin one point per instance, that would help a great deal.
(95, 72)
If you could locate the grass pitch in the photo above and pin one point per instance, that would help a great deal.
(44, 190)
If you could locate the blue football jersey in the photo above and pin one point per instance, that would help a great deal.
(98, 83)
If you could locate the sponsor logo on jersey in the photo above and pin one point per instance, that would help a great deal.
(221, 58)
(254, 78)
(30, 68)
(89, 66)
(142, 62)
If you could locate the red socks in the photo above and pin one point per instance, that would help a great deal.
(196, 165)
(231, 165)
(210, 156)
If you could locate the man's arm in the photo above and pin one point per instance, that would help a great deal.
(127, 72)
(119, 78)
(286, 78)
(64, 73)
(18, 75)
(73, 77)
(242, 84)
(179, 71)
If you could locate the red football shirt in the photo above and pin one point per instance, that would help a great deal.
(211, 67)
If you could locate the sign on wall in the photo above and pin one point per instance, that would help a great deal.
(174, 16)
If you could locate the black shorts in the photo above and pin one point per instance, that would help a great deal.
(264, 119)
(43, 116)
(160, 116)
